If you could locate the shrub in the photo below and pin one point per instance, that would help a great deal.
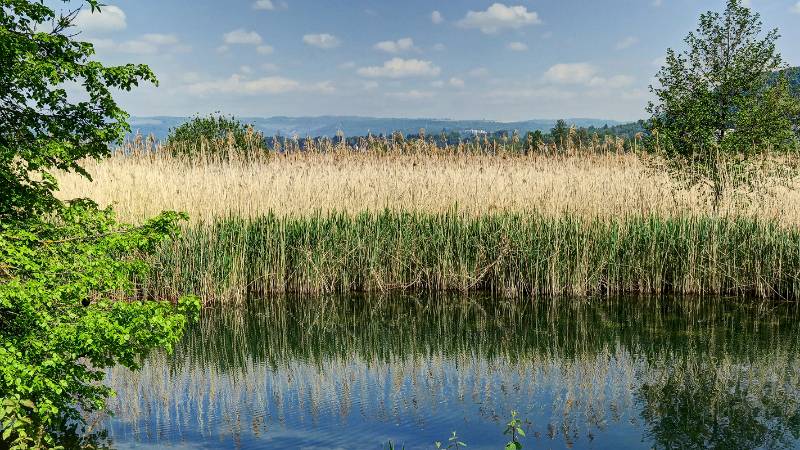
(215, 135)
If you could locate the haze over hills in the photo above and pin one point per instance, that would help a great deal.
(359, 126)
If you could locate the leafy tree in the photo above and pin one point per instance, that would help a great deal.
(560, 134)
(215, 134)
(66, 269)
(715, 108)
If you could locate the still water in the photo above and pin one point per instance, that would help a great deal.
(358, 372)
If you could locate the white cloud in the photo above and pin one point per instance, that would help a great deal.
(439, 47)
(265, 49)
(238, 84)
(657, 3)
(585, 74)
(147, 44)
(323, 40)
(517, 46)
(160, 39)
(269, 5)
(615, 82)
(347, 65)
(242, 36)
(269, 67)
(571, 73)
(401, 68)
(137, 47)
(627, 42)
(400, 45)
(796, 8)
(246, 69)
(436, 17)
(109, 18)
(370, 85)
(456, 82)
(412, 94)
(437, 83)
(264, 4)
(498, 17)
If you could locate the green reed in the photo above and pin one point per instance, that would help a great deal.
(510, 254)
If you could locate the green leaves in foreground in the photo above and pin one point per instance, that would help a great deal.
(64, 316)
(514, 429)
(65, 269)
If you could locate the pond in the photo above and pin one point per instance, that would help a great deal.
(357, 372)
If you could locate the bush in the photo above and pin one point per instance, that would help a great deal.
(65, 268)
(215, 135)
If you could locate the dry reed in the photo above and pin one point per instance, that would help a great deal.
(412, 178)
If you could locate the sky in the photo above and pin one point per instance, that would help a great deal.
(465, 59)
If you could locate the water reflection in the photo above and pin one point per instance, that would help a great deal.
(354, 372)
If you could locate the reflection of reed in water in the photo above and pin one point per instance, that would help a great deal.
(575, 370)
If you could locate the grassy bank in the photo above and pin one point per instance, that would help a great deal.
(509, 253)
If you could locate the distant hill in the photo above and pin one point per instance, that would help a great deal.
(360, 126)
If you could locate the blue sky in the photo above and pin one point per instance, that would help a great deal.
(465, 59)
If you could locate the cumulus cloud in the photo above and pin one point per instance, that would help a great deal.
(570, 73)
(269, 5)
(615, 82)
(498, 17)
(436, 17)
(242, 36)
(400, 45)
(796, 8)
(238, 84)
(401, 68)
(456, 82)
(109, 18)
(585, 74)
(322, 40)
(517, 46)
(627, 42)
(147, 44)
(160, 39)
(439, 47)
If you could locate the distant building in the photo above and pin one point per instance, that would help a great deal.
(475, 132)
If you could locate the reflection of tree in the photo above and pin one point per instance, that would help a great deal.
(696, 402)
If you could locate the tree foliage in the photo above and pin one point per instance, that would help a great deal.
(66, 269)
(722, 101)
(215, 134)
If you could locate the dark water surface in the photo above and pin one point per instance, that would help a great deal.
(356, 372)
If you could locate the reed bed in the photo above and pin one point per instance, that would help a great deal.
(586, 182)
(511, 254)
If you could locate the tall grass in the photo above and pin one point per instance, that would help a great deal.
(511, 254)
(412, 176)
